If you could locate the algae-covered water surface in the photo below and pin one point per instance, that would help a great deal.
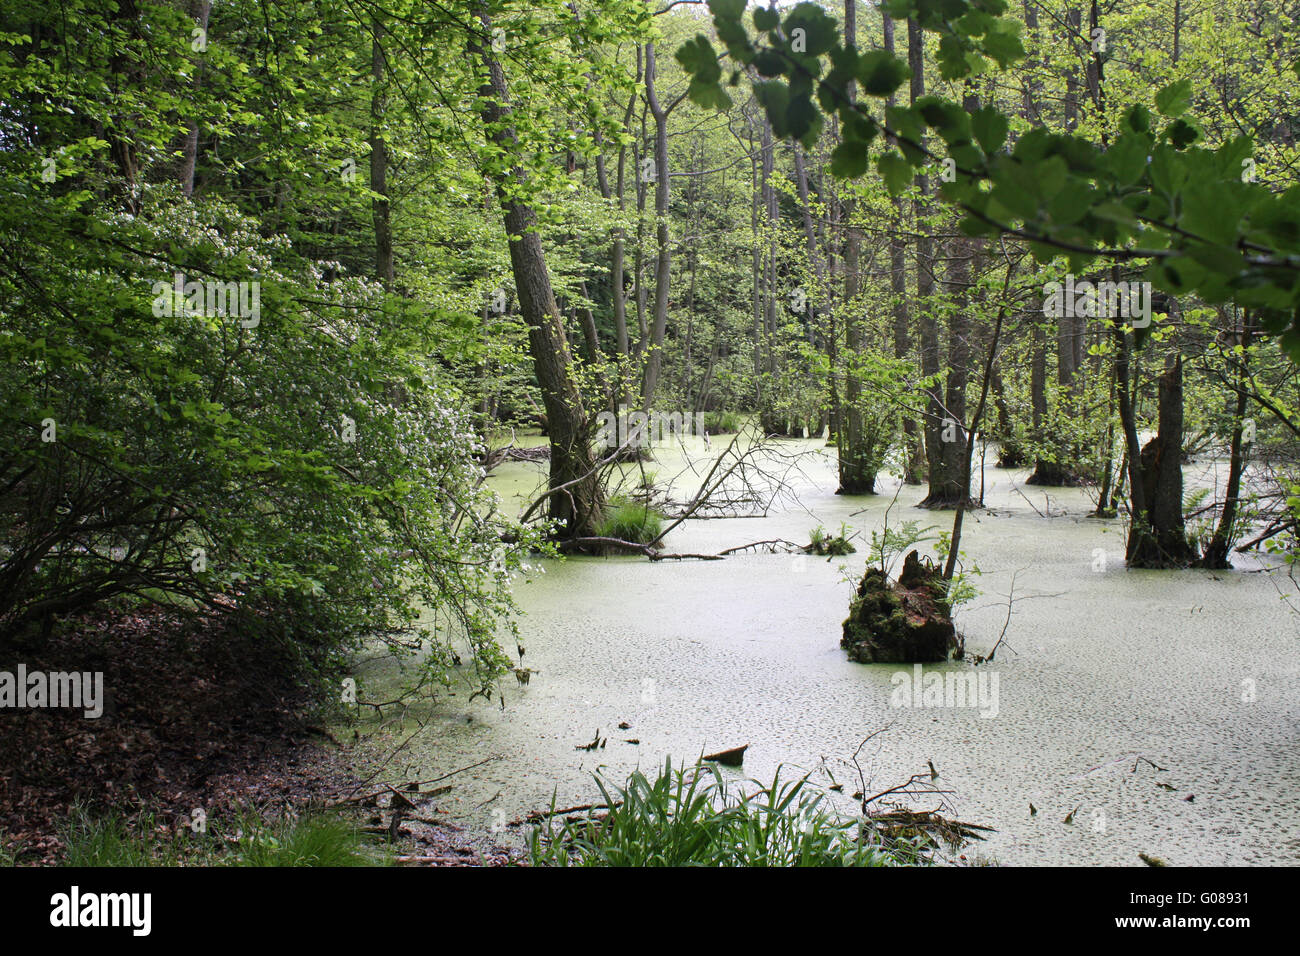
(1156, 710)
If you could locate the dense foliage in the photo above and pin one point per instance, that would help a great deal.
(275, 278)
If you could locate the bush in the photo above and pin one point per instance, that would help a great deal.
(692, 816)
(159, 449)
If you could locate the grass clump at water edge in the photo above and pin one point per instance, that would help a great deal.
(630, 521)
(693, 816)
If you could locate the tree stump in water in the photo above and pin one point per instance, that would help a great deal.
(907, 622)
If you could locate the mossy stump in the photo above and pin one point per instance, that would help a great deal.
(907, 622)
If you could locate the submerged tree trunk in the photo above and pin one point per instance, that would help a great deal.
(1216, 552)
(1157, 537)
(576, 498)
(857, 466)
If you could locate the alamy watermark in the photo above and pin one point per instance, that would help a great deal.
(36, 689)
(644, 429)
(75, 909)
(971, 688)
(242, 300)
(1109, 300)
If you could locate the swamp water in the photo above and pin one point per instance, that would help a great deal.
(1105, 674)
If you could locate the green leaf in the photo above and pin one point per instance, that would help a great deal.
(804, 120)
(810, 30)
(774, 97)
(1004, 43)
(698, 58)
(896, 171)
(990, 128)
(1182, 133)
(1127, 157)
(1210, 213)
(1010, 190)
(709, 95)
(1175, 99)
(1138, 118)
(850, 160)
(766, 19)
(881, 73)
(727, 9)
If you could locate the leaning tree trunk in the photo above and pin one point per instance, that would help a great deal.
(575, 496)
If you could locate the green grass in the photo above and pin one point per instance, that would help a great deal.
(693, 816)
(630, 521)
(317, 840)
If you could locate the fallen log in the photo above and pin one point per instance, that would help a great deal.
(729, 758)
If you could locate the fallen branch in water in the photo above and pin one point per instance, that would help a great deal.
(770, 543)
(537, 816)
(787, 547)
(684, 557)
(359, 798)
(901, 823)
(471, 859)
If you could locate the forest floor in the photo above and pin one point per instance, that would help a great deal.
(194, 717)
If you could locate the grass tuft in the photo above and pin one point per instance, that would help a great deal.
(630, 521)
(693, 816)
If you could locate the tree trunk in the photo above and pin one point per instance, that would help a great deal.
(1216, 552)
(200, 10)
(576, 499)
(663, 260)
(379, 164)
(929, 326)
(913, 437)
(1157, 538)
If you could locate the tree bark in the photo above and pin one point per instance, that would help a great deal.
(577, 506)
(1157, 537)
(200, 10)
(663, 259)
(1225, 533)
(384, 269)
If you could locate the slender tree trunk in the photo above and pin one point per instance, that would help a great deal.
(1216, 552)
(856, 469)
(937, 421)
(200, 10)
(384, 269)
(950, 481)
(913, 435)
(663, 260)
